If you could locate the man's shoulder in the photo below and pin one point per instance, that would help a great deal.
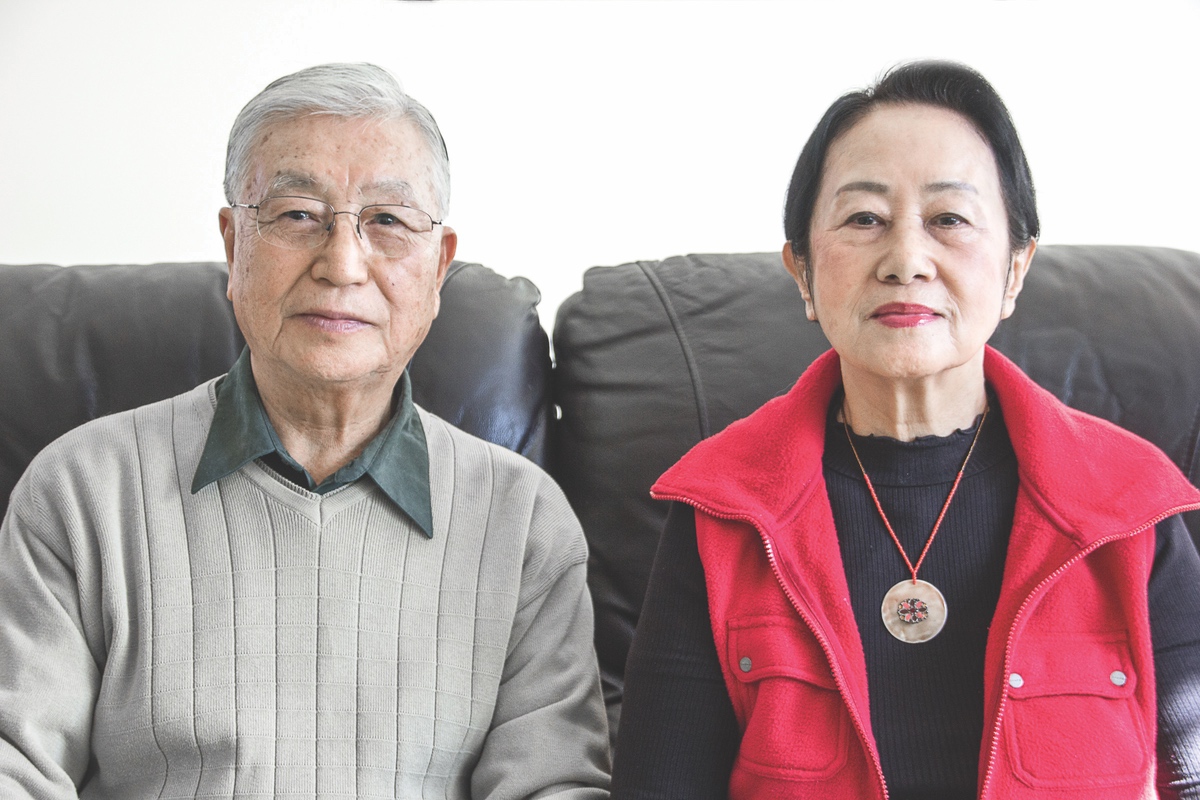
(447, 441)
(112, 441)
(522, 500)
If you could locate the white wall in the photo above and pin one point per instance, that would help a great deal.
(581, 132)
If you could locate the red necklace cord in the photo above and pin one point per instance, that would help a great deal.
(879, 507)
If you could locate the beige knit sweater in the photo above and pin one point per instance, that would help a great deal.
(259, 640)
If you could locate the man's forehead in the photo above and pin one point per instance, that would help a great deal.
(335, 159)
(381, 189)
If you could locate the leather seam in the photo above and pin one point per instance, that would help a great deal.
(689, 358)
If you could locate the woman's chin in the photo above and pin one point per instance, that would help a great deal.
(912, 364)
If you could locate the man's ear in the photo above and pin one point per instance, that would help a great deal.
(446, 251)
(449, 247)
(797, 267)
(228, 233)
(1018, 268)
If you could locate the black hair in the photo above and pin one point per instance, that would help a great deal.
(942, 84)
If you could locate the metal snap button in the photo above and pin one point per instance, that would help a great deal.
(1016, 681)
(744, 664)
(1118, 678)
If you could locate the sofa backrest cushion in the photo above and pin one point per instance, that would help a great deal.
(82, 342)
(654, 356)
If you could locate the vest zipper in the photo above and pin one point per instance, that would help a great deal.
(838, 678)
(1000, 709)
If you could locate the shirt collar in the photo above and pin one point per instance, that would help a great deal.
(397, 459)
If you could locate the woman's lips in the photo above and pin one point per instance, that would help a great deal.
(904, 315)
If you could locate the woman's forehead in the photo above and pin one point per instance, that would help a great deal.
(913, 147)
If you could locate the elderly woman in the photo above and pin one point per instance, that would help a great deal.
(917, 574)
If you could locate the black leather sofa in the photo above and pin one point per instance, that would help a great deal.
(650, 358)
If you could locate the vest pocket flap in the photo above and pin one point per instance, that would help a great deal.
(1067, 664)
(773, 647)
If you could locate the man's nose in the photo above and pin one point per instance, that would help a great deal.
(342, 258)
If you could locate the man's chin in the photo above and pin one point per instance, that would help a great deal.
(340, 366)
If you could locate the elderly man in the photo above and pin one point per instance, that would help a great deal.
(291, 581)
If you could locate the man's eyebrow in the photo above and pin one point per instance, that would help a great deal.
(293, 182)
(386, 189)
(389, 188)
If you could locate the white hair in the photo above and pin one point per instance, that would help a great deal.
(360, 91)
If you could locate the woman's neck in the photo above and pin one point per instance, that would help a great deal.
(907, 408)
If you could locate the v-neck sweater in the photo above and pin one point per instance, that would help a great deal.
(256, 639)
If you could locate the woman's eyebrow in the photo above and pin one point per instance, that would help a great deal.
(873, 187)
(950, 186)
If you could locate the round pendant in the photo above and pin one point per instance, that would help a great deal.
(914, 611)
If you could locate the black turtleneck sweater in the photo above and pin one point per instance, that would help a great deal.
(679, 737)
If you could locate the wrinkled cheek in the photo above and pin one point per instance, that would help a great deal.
(257, 315)
(414, 323)
(422, 318)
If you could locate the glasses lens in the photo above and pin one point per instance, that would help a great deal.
(296, 223)
(396, 231)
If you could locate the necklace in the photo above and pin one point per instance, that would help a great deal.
(913, 611)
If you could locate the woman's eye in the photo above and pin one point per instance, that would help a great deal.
(865, 219)
(948, 220)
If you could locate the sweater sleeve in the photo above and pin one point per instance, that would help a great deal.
(678, 734)
(49, 677)
(549, 731)
(1174, 611)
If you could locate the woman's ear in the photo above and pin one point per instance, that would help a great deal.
(1017, 269)
(798, 269)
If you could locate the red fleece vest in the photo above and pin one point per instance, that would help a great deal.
(1069, 700)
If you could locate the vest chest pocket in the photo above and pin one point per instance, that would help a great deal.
(796, 725)
(1073, 718)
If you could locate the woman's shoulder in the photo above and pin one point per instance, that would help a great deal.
(772, 453)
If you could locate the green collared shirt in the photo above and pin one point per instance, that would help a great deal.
(397, 459)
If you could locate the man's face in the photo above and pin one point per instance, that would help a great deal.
(335, 314)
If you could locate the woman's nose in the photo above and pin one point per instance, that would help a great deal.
(909, 254)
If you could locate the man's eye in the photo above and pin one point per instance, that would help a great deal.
(384, 221)
(296, 215)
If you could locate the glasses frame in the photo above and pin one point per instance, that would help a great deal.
(333, 221)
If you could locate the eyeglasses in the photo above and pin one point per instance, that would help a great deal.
(302, 223)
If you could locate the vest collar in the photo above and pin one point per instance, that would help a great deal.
(1090, 477)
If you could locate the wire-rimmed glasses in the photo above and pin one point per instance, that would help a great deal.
(302, 223)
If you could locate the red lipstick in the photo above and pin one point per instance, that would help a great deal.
(904, 315)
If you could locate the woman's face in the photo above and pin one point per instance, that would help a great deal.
(911, 267)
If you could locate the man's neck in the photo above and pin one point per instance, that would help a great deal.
(325, 428)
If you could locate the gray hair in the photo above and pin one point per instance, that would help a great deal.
(362, 91)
